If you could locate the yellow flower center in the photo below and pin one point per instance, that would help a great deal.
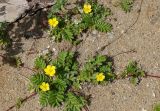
(87, 8)
(50, 70)
(100, 77)
(44, 86)
(53, 22)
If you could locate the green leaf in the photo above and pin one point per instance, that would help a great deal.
(100, 11)
(134, 72)
(75, 66)
(110, 76)
(37, 79)
(66, 61)
(18, 61)
(59, 84)
(40, 63)
(85, 76)
(67, 66)
(99, 59)
(87, 19)
(98, 64)
(57, 7)
(60, 61)
(126, 5)
(134, 80)
(74, 102)
(103, 26)
(77, 85)
(52, 98)
(62, 56)
(43, 98)
(55, 98)
(106, 68)
(68, 34)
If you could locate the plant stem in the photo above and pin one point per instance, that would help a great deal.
(124, 52)
(22, 101)
(86, 108)
(146, 75)
(154, 76)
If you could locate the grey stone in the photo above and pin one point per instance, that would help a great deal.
(10, 10)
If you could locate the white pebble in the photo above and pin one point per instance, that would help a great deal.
(144, 109)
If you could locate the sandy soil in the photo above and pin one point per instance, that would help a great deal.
(118, 96)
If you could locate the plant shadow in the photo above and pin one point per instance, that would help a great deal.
(30, 27)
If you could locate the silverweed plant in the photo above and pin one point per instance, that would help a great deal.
(67, 23)
(97, 70)
(134, 72)
(126, 5)
(57, 81)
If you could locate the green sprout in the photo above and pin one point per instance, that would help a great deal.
(126, 5)
(133, 72)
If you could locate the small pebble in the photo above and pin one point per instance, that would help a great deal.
(110, 35)
(153, 94)
(94, 32)
(122, 31)
(48, 47)
(45, 51)
(144, 109)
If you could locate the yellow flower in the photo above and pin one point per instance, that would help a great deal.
(100, 77)
(53, 22)
(87, 8)
(50, 70)
(44, 86)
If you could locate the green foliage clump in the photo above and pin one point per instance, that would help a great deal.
(60, 84)
(134, 72)
(74, 102)
(65, 85)
(4, 40)
(40, 63)
(157, 107)
(72, 22)
(57, 7)
(52, 98)
(126, 5)
(98, 64)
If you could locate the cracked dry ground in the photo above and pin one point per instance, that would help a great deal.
(143, 37)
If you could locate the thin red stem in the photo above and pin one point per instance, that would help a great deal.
(86, 108)
(154, 76)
